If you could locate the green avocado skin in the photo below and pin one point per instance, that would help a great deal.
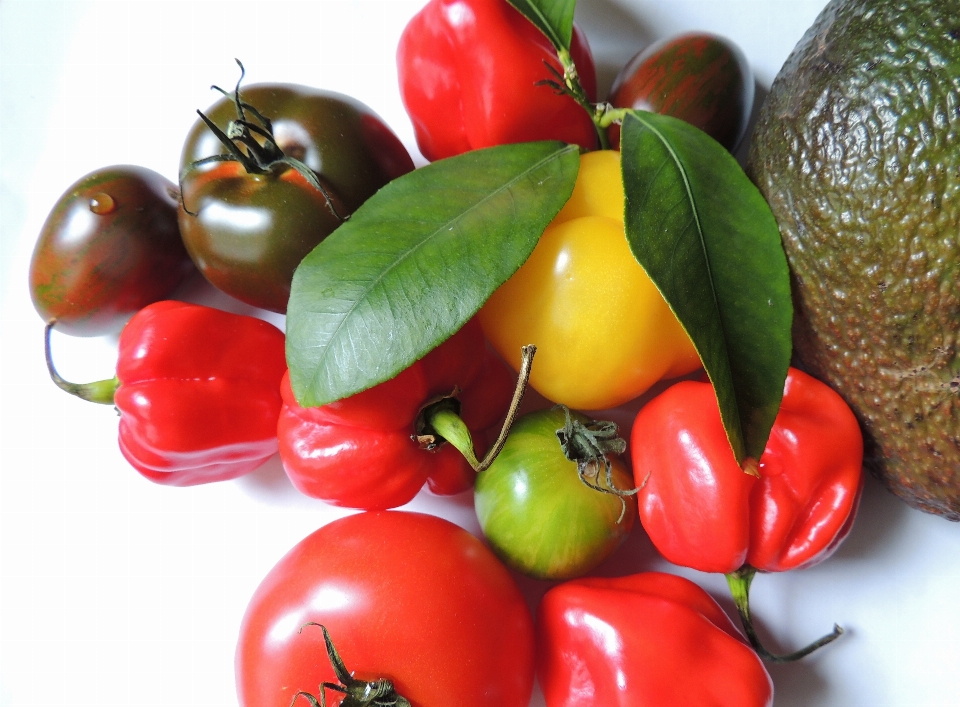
(857, 151)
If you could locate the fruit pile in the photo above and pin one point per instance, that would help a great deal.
(588, 250)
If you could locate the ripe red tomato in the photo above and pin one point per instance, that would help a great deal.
(407, 597)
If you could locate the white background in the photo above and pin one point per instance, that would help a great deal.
(115, 591)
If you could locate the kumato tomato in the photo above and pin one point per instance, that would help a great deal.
(248, 222)
(697, 77)
(406, 597)
(603, 332)
(109, 247)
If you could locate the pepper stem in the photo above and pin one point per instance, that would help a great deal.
(739, 582)
(443, 418)
(97, 392)
(567, 83)
(447, 423)
(357, 693)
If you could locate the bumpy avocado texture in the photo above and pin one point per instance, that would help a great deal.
(857, 150)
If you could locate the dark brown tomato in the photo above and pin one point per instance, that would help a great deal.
(109, 247)
(247, 232)
(700, 78)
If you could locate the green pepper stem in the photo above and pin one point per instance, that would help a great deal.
(571, 86)
(739, 582)
(101, 392)
(446, 422)
(449, 425)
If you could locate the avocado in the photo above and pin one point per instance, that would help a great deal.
(857, 151)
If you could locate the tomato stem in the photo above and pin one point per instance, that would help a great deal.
(358, 693)
(256, 157)
(588, 445)
(101, 392)
(739, 582)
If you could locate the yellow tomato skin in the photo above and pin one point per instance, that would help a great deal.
(603, 332)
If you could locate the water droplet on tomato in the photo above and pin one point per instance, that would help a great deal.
(102, 203)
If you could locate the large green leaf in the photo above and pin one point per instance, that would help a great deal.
(553, 17)
(709, 241)
(416, 261)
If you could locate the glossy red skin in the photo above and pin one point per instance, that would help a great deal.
(358, 452)
(468, 73)
(92, 272)
(248, 232)
(700, 78)
(644, 640)
(408, 597)
(199, 393)
(702, 511)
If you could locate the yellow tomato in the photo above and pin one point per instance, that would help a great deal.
(603, 332)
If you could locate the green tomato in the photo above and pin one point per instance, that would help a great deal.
(536, 511)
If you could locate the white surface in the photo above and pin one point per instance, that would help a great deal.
(115, 591)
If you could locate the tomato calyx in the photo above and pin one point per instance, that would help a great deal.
(100, 392)
(588, 446)
(257, 156)
(439, 420)
(739, 582)
(359, 693)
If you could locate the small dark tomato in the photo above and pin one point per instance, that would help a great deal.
(700, 78)
(109, 247)
(542, 513)
(247, 227)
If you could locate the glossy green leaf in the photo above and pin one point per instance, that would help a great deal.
(709, 242)
(416, 261)
(552, 17)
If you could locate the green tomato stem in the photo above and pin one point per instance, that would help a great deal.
(101, 392)
(739, 583)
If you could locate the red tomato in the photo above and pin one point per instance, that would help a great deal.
(406, 597)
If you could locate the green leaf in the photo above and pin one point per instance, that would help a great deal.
(552, 17)
(709, 242)
(416, 261)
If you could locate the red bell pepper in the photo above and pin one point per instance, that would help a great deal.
(361, 452)
(198, 391)
(643, 640)
(469, 78)
(701, 510)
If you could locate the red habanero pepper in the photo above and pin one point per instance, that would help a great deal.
(702, 511)
(198, 391)
(361, 452)
(469, 78)
(643, 640)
